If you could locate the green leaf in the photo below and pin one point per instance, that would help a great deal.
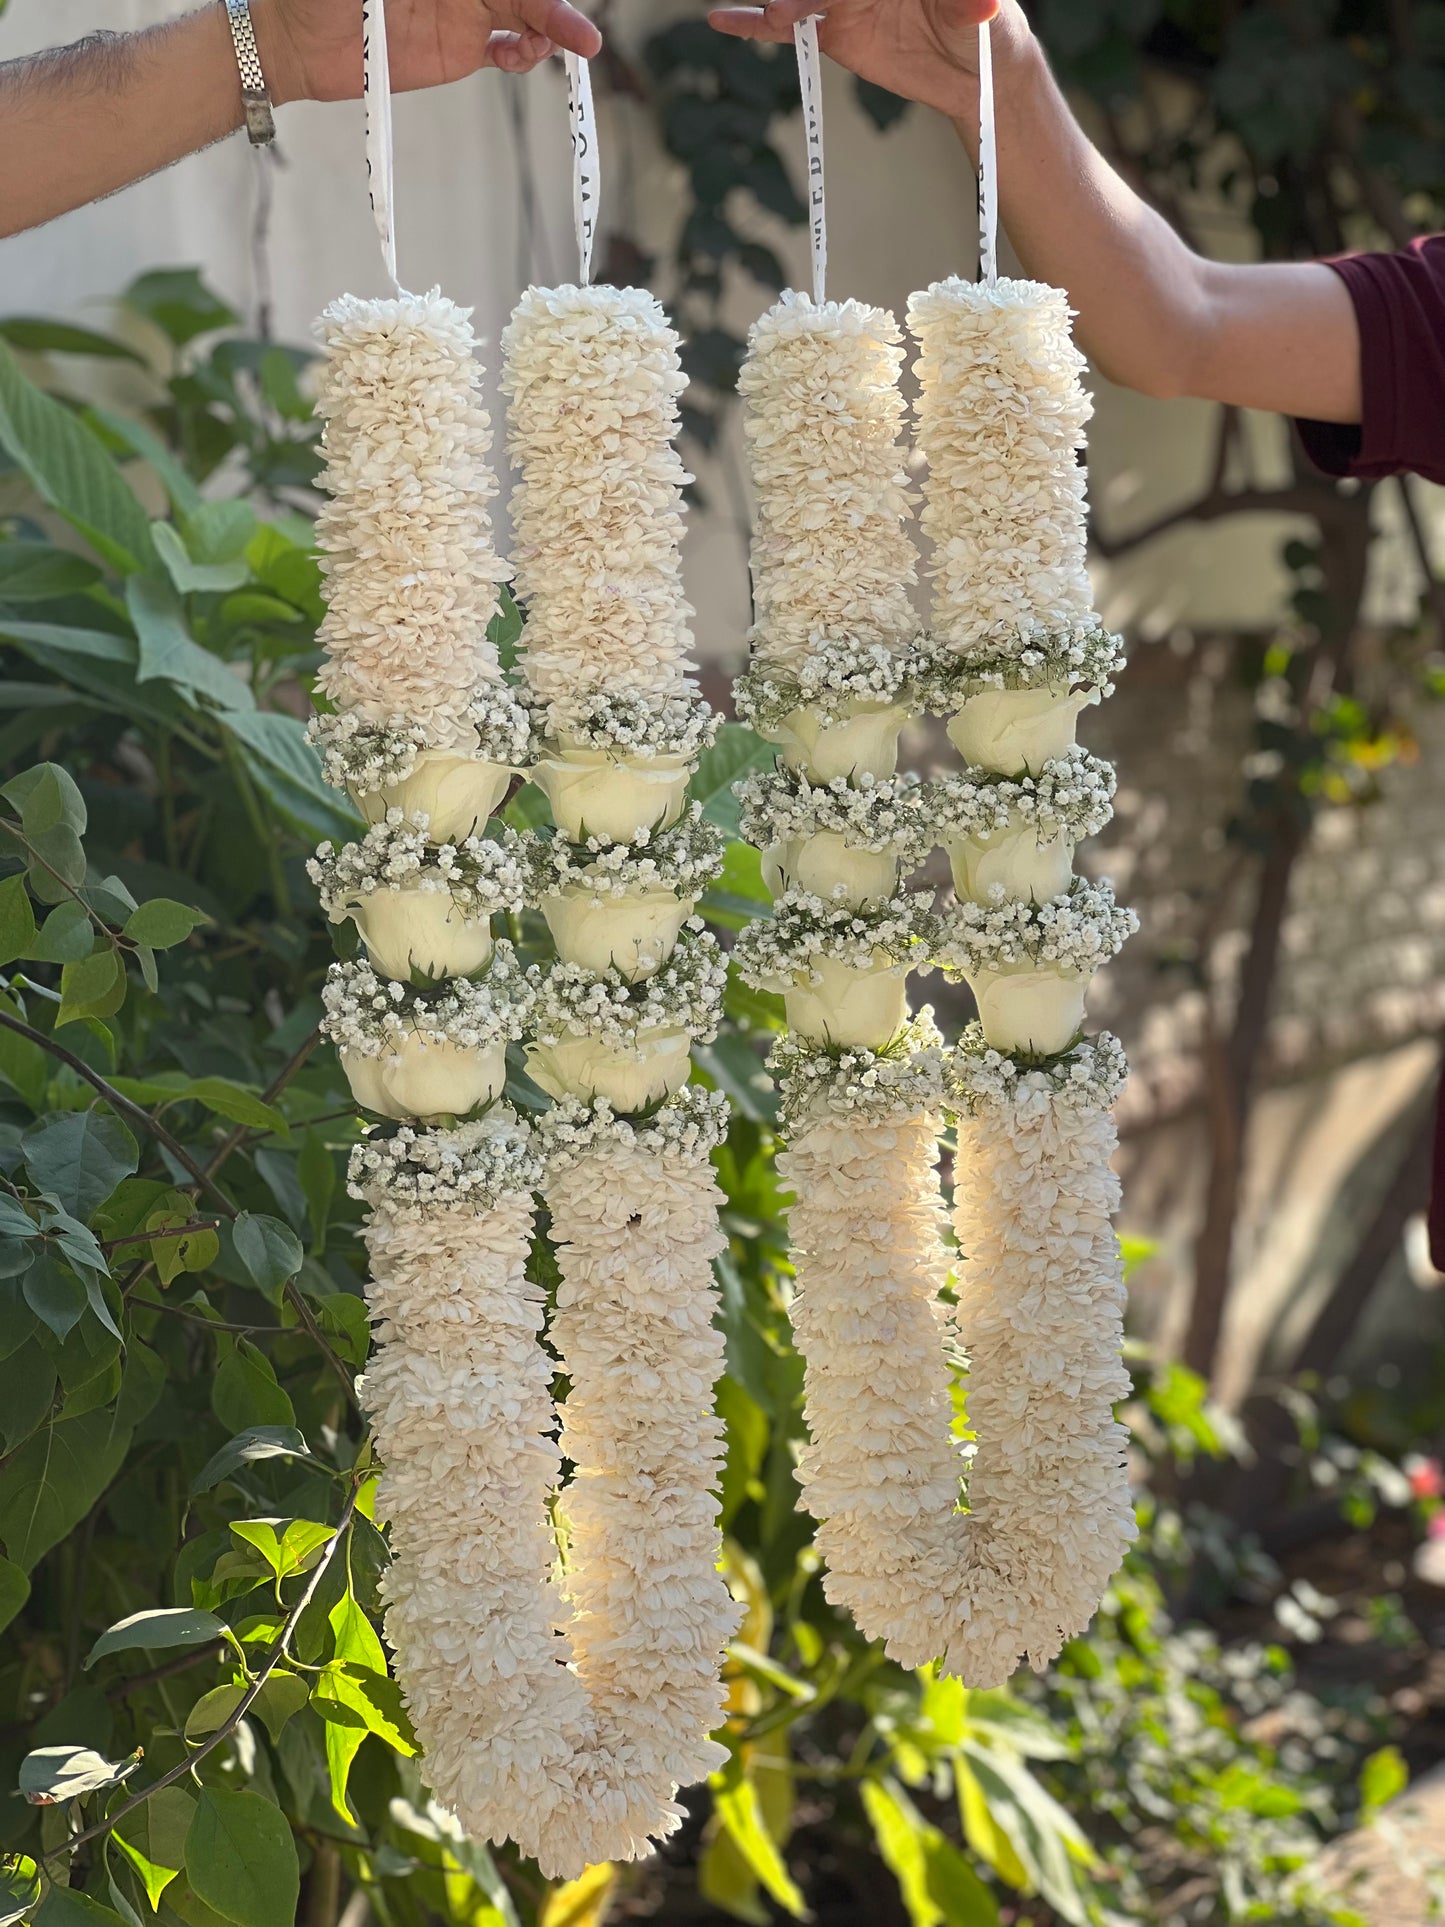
(39, 335)
(504, 631)
(67, 936)
(1383, 1777)
(127, 433)
(195, 578)
(55, 1295)
(163, 923)
(169, 654)
(241, 1858)
(79, 1158)
(37, 571)
(63, 1908)
(53, 1480)
(19, 1890)
(344, 1731)
(27, 1388)
(17, 921)
(53, 1774)
(14, 1591)
(70, 470)
(244, 1392)
(229, 1100)
(737, 750)
(213, 1709)
(221, 531)
(289, 770)
(47, 798)
(735, 1798)
(180, 304)
(250, 1448)
(153, 1839)
(289, 1551)
(355, 1636)
(270, 1253)
(280, 1700)
(316, 1174)
(95, 987)
(157, 1629)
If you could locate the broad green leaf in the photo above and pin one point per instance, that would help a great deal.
(168, 653)
(19, 1890)
(345, 1731)
(27, 1389)
(53, 1774)
(250, 1448)
(153, 1838)
(220, 531)
(316, 1174)
(14, 1591)
(355, 1636)
(37, 572)
(229, 1100)
(280, 1700)
(189, 577)
(95, 987)
(63, 1908)
(241, 1858)
(79, 1158)
(195, 1251)
(270, 1253)
(735, 1798)
(213, 1709)
(287, 1545)
(180, 304)
(289, 770)
(737, 750)
(54, 641)
(244, 1392)
(17, 921)
(67, 935)
(157, 1629)
(69, 469)
(133, 436)
(46, 797)
(162, 923)
(1383, 1777)
(40, 335)
(54, 1294)
(583, 1902)
(937, 1886)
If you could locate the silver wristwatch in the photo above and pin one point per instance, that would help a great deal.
(260, 121)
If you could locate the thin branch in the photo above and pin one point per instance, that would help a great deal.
(248, 1699)
(170, 1231)
(272, 1091)
(123, 1107)
(1434, 587)
(1213, 506)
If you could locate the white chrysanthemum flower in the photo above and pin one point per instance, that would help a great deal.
(592, 379)
(411, 568)
(822, 414)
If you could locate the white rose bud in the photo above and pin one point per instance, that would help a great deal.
(595, 793)
(634, 935)
(364, 1075)
(1013, 731)
(406, 930)
(630, 1080)
(1027, 869)
(862, 741)
(456, 794)
(852, 1008)
(442, 1080)
(1023, 1009)
(825, 865)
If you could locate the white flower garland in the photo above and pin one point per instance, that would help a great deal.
(1075, 932)
(593, 379)
(1070, 799)
(685, 994)
(363, 755)
(822, 416)
(804, 932)
(834, 680)
(627, 722)
(872, 814)
(683, 859)
(480, 876)
(411, 570)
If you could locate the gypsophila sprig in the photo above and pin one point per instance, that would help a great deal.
(903, 1080)
(357, 753)
(682, 860)
(475, 1164)
(685, 994)
(831, 681)
(1091, 1075)
(944, 677)
(871, 813)
(627, 722)
(373, 1016)
(1075, 932)
(804, 931)
(480, 876)
(692, 1125)
(1071, 797)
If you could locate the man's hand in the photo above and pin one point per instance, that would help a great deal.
(926, 50)
(311, 49)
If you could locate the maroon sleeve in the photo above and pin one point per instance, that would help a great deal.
(1400, 304)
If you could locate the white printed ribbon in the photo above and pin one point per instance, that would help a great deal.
(586, 171)
(987, 162)
(380, 163)
(810, 81)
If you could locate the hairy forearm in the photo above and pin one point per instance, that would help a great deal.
(1153, 315)
(79, 122)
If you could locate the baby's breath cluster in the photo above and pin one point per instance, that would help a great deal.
(904, 1079)
(945, 677)
(1091, 1075)
(1071, 798)
(473, 1165)
(1075, 932)
(480, 875)
(834, 678)
(804, 932)
(690, 1125)
(683, 859)
(873, 813)
(627, 722)
(685, 994)
(370, 1016)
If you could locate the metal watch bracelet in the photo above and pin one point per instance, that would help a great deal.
(260, 121)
